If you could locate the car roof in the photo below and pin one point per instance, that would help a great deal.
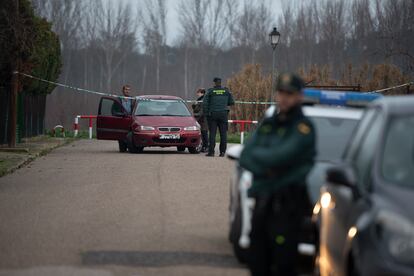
(159, 97)
(333, 112)
(396, 104)
(327, 111)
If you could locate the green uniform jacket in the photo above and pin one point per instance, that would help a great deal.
(217, 99)
(281, 152)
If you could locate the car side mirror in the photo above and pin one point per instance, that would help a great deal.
(344, 176)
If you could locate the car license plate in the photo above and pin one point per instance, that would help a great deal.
(169, 136)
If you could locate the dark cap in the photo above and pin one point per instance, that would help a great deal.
(289, 82)
(217, 79)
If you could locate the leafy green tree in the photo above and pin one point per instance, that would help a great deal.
(45, 59)
(30, 40)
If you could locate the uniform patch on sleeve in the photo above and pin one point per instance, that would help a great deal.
(304, 128)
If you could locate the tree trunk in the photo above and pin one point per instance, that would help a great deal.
(186, 72)
(158, 70)
(13, 109)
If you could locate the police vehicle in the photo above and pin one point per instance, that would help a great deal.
(366, 209)
(335, 116)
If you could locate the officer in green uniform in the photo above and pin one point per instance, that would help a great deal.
(216, 105)
(280, 154)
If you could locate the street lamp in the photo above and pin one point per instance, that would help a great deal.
(274, 38)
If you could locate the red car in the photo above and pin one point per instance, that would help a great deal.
(155, 121)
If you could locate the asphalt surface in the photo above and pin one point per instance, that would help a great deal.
(86, 209)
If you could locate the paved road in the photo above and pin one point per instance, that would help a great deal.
(86, 209)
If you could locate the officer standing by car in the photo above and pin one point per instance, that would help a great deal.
(216, 105)
(280, 154)
(201, 118)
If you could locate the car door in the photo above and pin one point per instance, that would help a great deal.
(113, 122)
(346, 204)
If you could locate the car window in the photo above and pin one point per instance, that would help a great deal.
(397, 165)
(366, 151)
(109, 107)
(359, 132)
(332, 136)
(162, 108)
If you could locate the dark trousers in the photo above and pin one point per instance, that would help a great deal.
(204, 130)
(276, 227)
(204, 138)
(218, 120)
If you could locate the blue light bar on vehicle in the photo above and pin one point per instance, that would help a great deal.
(343, 98)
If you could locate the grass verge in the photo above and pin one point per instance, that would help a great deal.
(12, 159)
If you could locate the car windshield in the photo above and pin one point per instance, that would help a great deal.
(397, 164)
(162, 108)
(333, 135)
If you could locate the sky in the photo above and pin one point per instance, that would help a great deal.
(173, 25)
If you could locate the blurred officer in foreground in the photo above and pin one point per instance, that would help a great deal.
(216, 107)
(280, 155)
(201, 119)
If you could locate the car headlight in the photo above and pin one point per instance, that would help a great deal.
(192, 128)
(146, 128)
(398, 233)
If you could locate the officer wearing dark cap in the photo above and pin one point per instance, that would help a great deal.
(280, 155)
(216, 105)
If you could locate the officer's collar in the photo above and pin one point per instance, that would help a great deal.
(200, 98)
(291, 115)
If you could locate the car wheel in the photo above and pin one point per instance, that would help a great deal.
(132, 148)
(199, 147)
(122, 146)
(180, 148)
(235, 232)
(194, 150)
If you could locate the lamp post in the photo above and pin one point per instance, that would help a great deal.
(274, 38)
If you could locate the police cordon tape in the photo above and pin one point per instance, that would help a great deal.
(394, 87)
(188, 101)
(71, 87)
(115, 95)
(76, 127)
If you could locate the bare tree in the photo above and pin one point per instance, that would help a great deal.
(361, 39)
(305, 34)
(332, 28)
(155, 33)
(115, 37)
(395, 29)
(203, 22)
(252, 26)
(67, 18)
(204, 31)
